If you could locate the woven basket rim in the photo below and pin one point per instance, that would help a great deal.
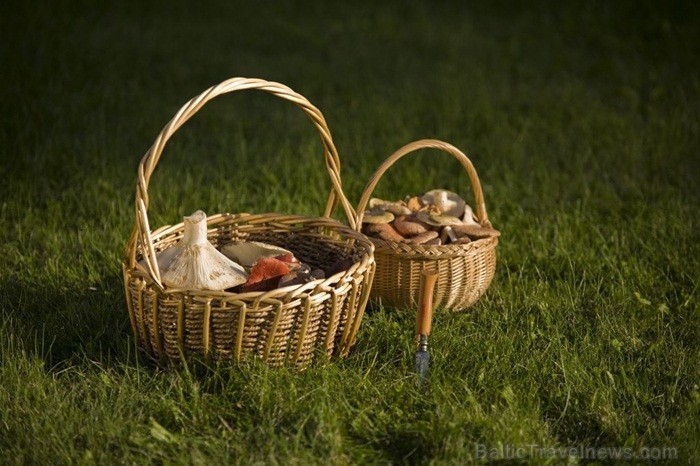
(213, 220)
(360, 241)
(436, 250)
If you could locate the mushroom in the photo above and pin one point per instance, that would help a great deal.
(195, 263)
(406, 227)
(265, 269)
(385, 232)
(377, 216)
(396, 208)
(300, 276)
(438, 220)
(448, 202)
(468, 217)
(293, 262)
(475, 231)
(248, 253)
(448, 235)
(424, 237)
(414, 204)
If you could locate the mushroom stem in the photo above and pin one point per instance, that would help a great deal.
(195, 229)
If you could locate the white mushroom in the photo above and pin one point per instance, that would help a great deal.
(468, 218)
(247, 253)
(195, 263)
(448, 202)
(448, 235)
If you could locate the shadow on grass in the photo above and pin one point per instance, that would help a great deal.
(405, 446)
(64, 323)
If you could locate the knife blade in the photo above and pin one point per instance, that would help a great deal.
(424, 321)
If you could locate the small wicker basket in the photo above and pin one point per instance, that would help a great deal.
(288, 325)
(465, 270)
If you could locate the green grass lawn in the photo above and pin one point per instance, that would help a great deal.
(583, 122)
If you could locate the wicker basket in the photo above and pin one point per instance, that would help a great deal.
(287, 325)
(465, 270)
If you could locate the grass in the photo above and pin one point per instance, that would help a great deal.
(582, 121)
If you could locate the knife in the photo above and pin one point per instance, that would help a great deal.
(424, 321)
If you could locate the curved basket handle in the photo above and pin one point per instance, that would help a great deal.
(422, 144)
(141, 231)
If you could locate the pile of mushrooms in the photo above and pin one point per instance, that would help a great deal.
(437, 217)
(270, 266)
(194, 263)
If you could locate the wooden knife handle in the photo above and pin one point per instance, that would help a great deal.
(424, 319)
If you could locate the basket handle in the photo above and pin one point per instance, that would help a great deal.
(141, 231)
(423, 144)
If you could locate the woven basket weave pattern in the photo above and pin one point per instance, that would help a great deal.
(286, 325)
(462, 279)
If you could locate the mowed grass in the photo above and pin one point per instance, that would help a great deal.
(583, 122)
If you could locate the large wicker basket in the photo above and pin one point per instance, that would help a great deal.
(288, 325)
(465, 270)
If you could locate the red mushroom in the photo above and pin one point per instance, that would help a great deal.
(268, 270)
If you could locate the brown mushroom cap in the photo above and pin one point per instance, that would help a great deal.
(407, 227)
(424, 237)
(384, 231)
(475, 231)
